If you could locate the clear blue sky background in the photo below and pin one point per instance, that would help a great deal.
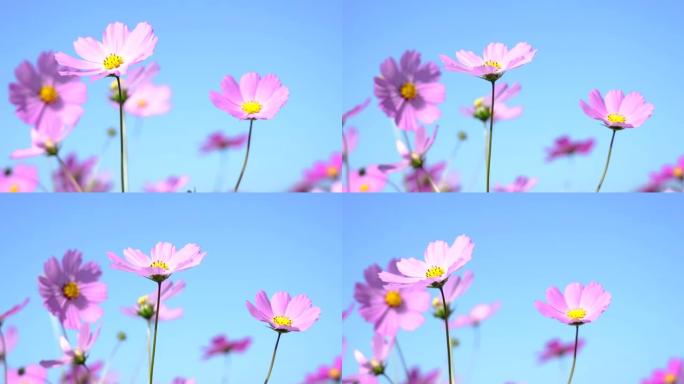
(523, 244)
(270, 242)
(199, 43)
(582, 45)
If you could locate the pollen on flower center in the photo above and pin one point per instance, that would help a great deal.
(479, 102)
(576, 314)
(159, 264)
(393, 299)
(408, 91)
(364, 187)
(670, 378)
(142, 300)
(492, 63)
(251, 107)
(14, 188)
(434, 271)
(615, 118)
(48, 94)
(678, 172)
(282, 321)
(71, 290)
(142, 103)
(112, 61)
(332, 171)
(334, 374)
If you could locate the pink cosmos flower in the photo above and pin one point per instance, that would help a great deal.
(44, 140)
(375, 365)
(218, 142)
(369, 179)
(254, 98)
(20, 178)
(670, 375)
(668, 177)
(440, 261)
(495, 61)
(355, 110)
(77, 355)
(30, 374)
(13, 311)
(146, 304)
(390, 309)
(163, 261)
(556, 349)
(416, 377)
(149, 100)
(321, 170)
(482, 107)
(85, 174)
(520, 184)
(41, 94)
(168, 185)
(71, 290)
(118, 50)
(11, 337)
(326, 373)
(419, 179)
(283, 313)
(578, 305)
(422, 143)
(409, 92)
(181, 380)
(476, 316)
(90, 375)
(221, 345)
(454, 288)
(565, 147)
(617, 111)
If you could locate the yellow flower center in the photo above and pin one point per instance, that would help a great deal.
(375, 363)
(48, 94)
(576, 314)
(615, 118)
(437, 303)
(479, 102)
(160, 264)
(393, 299)
(282, 321)
(142, 300)
(334, 374)
(678, 172)
(112, 61)
(492, 63)
(71, 290)
(142, 103)
(332, 171)
(14, 188)
(670, 378)
(251, 107)
(433, 272)
(408, 91)
(364, 187)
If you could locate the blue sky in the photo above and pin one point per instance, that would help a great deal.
(270, 242)
(524, 244)
(579, 49)
(199, 43)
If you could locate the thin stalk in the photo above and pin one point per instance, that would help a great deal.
(448, 338)
(605, 169)
(109, 361)
(226, 363)
(345, 159)
(275, 350)
(68, 174)
(244, 164)
(388, 378)
(122, 140)
(401, 357)
(156, 324)
(149, 343)
(223, 158)
(574, 356)
(491, 134)
(4, 353)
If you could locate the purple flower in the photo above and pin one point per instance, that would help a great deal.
(44, 140)
(482, 107)
(375, 365)
(556, 349)
(168, 185)
(221, 345)
(254, 98)
(217, 142)
(520, 184)
(71, 290)
(20, 178)
(41, 94)
(163, 261)
(416, 377)
(409, 92)
(618, 111)
(77, 355)
(146, 305)
(30, 374)
(495, 61)
(283, 313)
(476, 316)
(565, 147)
(326, 373)
(369, 179)
(85, 174)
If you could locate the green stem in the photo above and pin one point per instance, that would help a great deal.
(122, 140)
(4, 353)
(275, 350)
(448, 338)
(605, 169)
(68, 174)
(401, 357)
(156, 324)
(244, 164)
(491, 134)
(574, 356)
